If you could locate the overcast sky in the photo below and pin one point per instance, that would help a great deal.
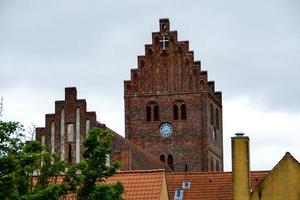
(249, 48)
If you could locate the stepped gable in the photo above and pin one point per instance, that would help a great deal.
(167, 67)
(169, 88)
(207, 186)
(64, 120)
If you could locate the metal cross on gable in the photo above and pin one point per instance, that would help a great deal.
(164, 42)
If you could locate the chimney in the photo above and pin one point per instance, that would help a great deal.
(240, 167)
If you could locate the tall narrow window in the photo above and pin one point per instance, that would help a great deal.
(77, 130)
(217, 119)
(212, 168)
(52, 137)
(170, 161)
(162, 158)
(211, 114)
(107, 163)
(156, 113)
(62, 134)
(217, 166)
(70, 154)
(183, 111)
(175, 112)
(87, 127)
(214, 133)
(70, 132)
(148, 113)
(43, 140)
(179, 110)
(152, 111)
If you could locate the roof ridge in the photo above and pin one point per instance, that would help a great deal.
(227, 172)
(219, 172)
(140, 171)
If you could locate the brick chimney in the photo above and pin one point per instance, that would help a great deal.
(240, 167)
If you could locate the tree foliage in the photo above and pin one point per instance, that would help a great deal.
(28, 171)
(25, 168)
(82, 178)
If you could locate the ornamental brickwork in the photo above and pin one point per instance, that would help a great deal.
(169, 86)
(66, 129)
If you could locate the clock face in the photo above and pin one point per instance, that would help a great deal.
(166, 129)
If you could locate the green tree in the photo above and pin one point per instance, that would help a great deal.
(25, 168)
(28, 171)
(83, 177)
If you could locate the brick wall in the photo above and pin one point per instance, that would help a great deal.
(69, 105)
(167, 74)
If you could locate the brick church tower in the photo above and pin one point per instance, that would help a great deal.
(171, 109)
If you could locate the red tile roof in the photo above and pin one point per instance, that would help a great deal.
(140, 184)
(139, 158)
(207, 185)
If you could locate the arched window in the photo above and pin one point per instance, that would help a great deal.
(217, 119)
(148, 110)
(152, 111)
(214, 133)
(175, 112)
(162, 158)
(70, 154)
(156, 113)
(211, 114)
(170, 161)
(183, 111)
(179, 110)
(201, 84)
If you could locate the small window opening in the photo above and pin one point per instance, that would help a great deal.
(217, 165)
(211, 114)
(162, 158)
(70, 154)
(212, 164)
(217, 119)
(170, 161)
(156, 113)
(183, 111)
(148, 113)
(175, 112)
(214, 134)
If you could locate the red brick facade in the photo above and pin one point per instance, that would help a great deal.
(169, 86)
(68, 107)
(131, 156)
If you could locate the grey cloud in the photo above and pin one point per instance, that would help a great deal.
(248, 48)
